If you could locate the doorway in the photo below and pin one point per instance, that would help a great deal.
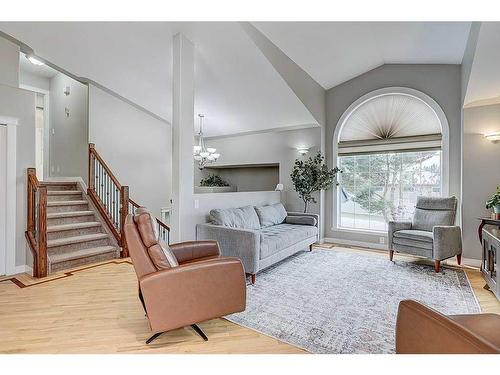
(40, 135)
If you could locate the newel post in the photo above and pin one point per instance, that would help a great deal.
(123, 214)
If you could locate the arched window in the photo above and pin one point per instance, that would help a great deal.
(390, 145)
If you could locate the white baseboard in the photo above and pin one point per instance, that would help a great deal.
(23, 269)
(369, 245)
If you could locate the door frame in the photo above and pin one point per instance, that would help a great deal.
(10, 196)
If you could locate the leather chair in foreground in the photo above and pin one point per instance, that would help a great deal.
(184, 283)
(422, 330)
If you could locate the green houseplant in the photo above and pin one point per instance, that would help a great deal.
(213, 181)
(494, 202)
(312, 175)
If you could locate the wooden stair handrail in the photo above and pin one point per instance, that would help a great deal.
(115, 219)
(36, 223)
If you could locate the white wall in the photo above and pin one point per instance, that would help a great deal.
(20, 104)
(3, 192)
(441, 82)
(136, 146)
(271, 147)
(481, 172)
(68, 143)
(31, 80)
(9, 63)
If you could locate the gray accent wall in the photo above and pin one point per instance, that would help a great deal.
(481, 172)
(441, 82)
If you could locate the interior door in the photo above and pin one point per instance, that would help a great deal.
(3, 190)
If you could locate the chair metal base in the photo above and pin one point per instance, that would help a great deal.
(193, 326)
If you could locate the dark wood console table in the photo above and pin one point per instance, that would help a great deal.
(485, 221)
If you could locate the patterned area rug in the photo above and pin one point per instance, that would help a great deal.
(329, 301)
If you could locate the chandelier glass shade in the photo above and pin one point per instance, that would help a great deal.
(204, 155)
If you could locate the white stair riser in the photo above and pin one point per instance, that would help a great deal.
(56, 267)
(78, 246)
(69, 208)
(74, 232)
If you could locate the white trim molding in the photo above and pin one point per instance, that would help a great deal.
(431, 103)
(10, 194)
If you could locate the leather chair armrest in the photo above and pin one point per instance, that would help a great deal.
(394, 226)
(422, 330)
(193, 293)
(447, 241)
(192, 250)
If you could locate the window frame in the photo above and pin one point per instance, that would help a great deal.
(335, 207)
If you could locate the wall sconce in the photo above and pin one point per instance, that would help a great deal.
(303, 150)
(66, 90)
(493, 137)
(279, 187)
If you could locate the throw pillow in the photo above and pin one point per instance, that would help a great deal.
(273, 214)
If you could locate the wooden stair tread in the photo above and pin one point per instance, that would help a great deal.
(76, 239)
(58, 183)
(56, 215)
(63, 227)
(64, 192)
(66, 203)
(84, 253)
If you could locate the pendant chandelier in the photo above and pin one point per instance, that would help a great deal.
(203, 155)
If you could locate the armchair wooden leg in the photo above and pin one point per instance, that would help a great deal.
(254, 277)
(310, 247)
(459, 259)
(391, 255)
(437, 266)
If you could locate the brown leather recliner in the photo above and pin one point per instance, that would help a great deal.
(422, 330)
(203, 286)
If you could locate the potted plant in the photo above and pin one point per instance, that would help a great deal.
(214, 184)
(494, 203)
(312, 175)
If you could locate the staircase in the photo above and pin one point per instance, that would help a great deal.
(68, 227)
(76, 234)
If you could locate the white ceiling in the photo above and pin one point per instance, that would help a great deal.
(236, 87)
(484, 80)
(334, 52)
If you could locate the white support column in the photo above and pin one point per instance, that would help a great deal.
(182, 139)
(10, 195)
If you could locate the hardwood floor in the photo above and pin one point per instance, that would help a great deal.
(96, 310)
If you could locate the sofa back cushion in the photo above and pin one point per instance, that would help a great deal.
(430, 211)
(243, 217)
(273, 214)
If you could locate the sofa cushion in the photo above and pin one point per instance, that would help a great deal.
(301, 220)
(411, 243)
(243, 217)
(278, 237)
(418, 235)
(273, 214)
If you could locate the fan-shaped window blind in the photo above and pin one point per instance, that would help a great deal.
(390, 122)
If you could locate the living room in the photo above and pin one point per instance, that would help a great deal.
(277, 187)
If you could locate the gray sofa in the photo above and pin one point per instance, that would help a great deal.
(260, 236)
(431, 233)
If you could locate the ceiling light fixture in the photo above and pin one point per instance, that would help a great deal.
(493, 137)
(203, 155)
(35, 61)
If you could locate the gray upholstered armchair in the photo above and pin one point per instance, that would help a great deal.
(431, 234)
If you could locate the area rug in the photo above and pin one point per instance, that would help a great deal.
(330, 301)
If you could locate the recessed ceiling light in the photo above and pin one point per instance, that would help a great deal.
(35, 61)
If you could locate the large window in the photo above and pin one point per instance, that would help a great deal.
(378, 187)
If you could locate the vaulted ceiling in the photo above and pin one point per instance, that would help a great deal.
(236, 87)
